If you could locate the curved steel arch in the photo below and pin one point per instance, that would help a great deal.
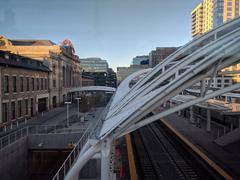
(202, 64)
(201, 58)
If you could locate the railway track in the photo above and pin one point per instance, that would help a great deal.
(158, 155)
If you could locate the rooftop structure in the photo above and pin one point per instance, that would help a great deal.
(12, 60)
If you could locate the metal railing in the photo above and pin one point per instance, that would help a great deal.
(217, 129)
(13, 124)
(13, 137)
(67, 164)
(54, 129)
(91, 132)
(37, 130)
(98, 125)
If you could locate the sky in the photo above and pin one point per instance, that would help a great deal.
(115, 30)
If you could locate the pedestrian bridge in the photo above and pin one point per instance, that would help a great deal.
(203, 57)
(93, 88)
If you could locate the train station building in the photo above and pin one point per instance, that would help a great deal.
(64, 65)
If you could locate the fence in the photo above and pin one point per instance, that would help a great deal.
(13, 137)
(217, 129)
(13, 124)
(37, 129)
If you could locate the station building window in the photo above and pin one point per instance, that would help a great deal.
(6, 84)
(4, 112)
(38, 81)
(13, 110)
(26, 106)
(33, 84)
(54, 83)
(19, 108)
(46, 86)
(21, 84)
(41, 83)
(28, 86)
(14, 81)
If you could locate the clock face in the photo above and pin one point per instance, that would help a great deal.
(2, 43)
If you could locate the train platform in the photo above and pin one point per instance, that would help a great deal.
(225, 159)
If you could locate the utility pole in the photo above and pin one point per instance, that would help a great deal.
(67, 103)
(78, 100)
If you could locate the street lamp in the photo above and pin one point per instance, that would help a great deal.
(78, 99)
(67, 103)
(88, 108)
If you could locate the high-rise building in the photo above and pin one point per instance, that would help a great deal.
(123, 72)
(138, 60)
(207, 15)
(87, 80)
(94, 65)
(212, 13)
(202, 18)
(230, 9)
(158, 55)
(197, 20)
(235, 72)
(99, 71)
(224, 10)
(111, 78)
(217, 12)
(100, 78)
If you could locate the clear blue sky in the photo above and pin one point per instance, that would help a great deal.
(115, 30)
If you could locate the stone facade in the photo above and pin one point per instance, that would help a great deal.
(61, 59)
(65, 75)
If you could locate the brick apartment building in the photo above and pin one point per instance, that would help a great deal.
(158, 55)
(24, 87)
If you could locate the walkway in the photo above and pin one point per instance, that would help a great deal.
(52, 117)
(227, 159)
(53, 123)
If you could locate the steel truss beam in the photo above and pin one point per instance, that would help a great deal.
(201, 58)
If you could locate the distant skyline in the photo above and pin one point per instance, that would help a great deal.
(110, 29)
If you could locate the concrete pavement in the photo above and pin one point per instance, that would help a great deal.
(224, 157)
(54, 116)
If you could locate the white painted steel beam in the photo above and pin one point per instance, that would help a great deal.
(167, 112)
(201, 58)
(93, 88)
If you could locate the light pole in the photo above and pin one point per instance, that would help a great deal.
(94, 101)
(78, 99)
(88, 108)
(67, 103)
